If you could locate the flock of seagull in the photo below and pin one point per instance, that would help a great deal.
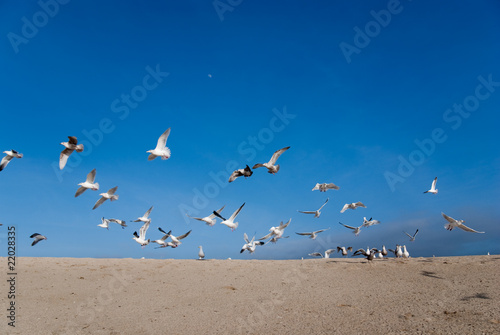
(275, 233)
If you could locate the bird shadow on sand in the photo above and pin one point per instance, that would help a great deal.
(476, 296)
(430, 274)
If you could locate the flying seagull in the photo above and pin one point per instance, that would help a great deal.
(356, 230)
(250, 245)
(271, 167)
(209, 220)
(230, 222)
(312, 235)
(141, 238)
(276, 232)
(88, 184)
(201, 254)
(120, 222)
(105, 196)
(353, 205)
(161, 149)
(162, 241)
(344, 250)
(145, 217)
(368, 253)
(319, 254)
(412, 238)
(316, 213)
(9, 155)
(246, 172)
(325, 187)
(37, 238)
(69, 147)
(370, 222)
(177, 239)
(458, 223)
(433, 189)
(104, 223)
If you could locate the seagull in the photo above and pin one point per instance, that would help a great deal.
(145, 217)
(246, 172)
(162, 240)
(250, 245)
(209, 220)
(354, 205)
(319, 254)
(176, 239)
(141, 238)
(69, 147)
(161, 150)
(398, 252)
(383, 251)
(88, 184)
(201, 254)
(37, 238)
(105, 196)
(271, 168)
(344, 250)
(120, 222)
(368, 223)
(368, 253)
(276, 232)
(316, 213)
(9, 155)
(433, 189)
(406, 254)
(325, 187)
(312, 235)
(356, 230)
(458, 223)
(104, 224)
(412, 238)
(230, 222)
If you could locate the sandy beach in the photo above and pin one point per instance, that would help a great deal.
(443, 295)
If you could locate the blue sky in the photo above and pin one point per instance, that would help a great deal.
(367, 94)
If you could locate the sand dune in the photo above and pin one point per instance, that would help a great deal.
(452, 295)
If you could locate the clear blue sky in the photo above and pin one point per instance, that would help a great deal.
(366, 86)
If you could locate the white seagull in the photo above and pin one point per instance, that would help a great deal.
(177, 239)
(161, 149)
(276, 232)
(271, 168)
(370, 222)
(37, 238)
(406, 254)
(313, 234)
(250, 245)
(209, 220)
(412, 238)
(162, 241)
(319, 254)
(344, 250)
(433, 189)
(9, 155)
(141, 238)
(145, 217)
(201, 254)
(353, 205)
(356, 230)
(316, 213)
(398, 253)
(69, 147)
(105, 196)
(230, 222)
(88, 184)
(458, 223)
(104, 223)
(246, 172)
(120, 222)
(325, 187)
